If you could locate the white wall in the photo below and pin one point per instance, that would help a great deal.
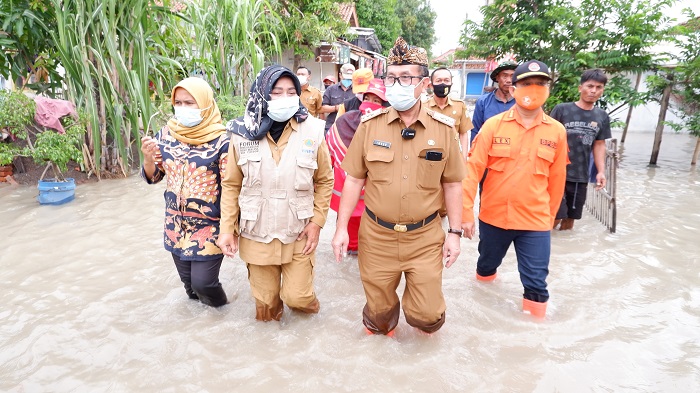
(318, 70)
(645, 117)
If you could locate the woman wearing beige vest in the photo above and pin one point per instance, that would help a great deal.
(276, 199)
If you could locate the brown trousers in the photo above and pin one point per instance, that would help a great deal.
(291, 283)
(384, 255)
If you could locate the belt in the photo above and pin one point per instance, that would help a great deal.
(400, 227)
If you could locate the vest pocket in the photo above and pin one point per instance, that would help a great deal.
(250, 166)
(544, 160)
(250, 206)
(498, 157)
(304, 173)
(302, 209)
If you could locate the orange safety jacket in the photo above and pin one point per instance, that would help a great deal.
(526, 172)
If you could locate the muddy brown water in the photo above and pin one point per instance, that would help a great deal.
(91, 302)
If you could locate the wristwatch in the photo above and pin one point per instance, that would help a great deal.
(456, 231)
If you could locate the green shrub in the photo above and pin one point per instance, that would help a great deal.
(60, 148)
(8, 151)
(231, 107)
(16, 112)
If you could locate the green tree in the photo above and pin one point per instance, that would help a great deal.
(309, 22)
(381, 16)
(684, 79)
(26, 47)
(616, 36)
(417, 22)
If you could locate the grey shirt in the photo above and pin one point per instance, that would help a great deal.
(582, 128)
(335, 95)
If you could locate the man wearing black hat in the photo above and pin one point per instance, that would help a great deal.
(525, 152)
(409, 162)
(498, 101)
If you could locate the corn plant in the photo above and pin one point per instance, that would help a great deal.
(110, 51)
(232, 38)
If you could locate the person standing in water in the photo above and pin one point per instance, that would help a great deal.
(276, 198)
(191, 153)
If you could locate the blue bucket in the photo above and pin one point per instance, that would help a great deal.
(52, 192)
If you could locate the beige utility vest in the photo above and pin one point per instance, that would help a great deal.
(277, 201)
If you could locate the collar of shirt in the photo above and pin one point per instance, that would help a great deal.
(423, 117)
(495, 97)
(514, 115)
(432, 103)
(292, 125)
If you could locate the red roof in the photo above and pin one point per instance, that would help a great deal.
(349, 14)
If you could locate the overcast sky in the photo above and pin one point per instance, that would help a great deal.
(451, 15)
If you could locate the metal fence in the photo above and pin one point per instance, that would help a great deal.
(602, 203)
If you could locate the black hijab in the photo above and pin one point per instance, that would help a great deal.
(255, 123)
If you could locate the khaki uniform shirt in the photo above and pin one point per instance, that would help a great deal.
(402, 186)
(312, 99)
(455, 109)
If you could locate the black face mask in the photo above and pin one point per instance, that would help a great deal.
(441, 90)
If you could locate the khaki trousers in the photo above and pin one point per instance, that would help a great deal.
(290, 283)
(384, 255)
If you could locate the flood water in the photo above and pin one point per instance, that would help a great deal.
(91, 302)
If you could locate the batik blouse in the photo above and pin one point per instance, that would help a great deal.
(193, 176)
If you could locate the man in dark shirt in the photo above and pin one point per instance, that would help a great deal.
(337, 94)
(587, 128)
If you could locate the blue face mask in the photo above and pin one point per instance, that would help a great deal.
(402, 98)
(346, 82)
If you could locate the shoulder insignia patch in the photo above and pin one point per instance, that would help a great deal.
(374, 114)
(442, 118)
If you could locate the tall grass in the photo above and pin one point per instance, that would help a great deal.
(232, 38)
(112, 49)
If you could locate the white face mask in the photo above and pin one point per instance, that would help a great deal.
(303, 79)
(188, 117)
(401, 98)
(282, 109)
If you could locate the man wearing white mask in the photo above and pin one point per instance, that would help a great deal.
(276, 199)
(409, 162)
(311, 97)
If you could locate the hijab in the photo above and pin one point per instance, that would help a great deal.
(210, 128)
(255, 123)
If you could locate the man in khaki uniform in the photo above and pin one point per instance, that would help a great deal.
(311, 97)
(441, 81)
(408, 160)
(277, 197)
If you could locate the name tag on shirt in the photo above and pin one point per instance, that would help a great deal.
(383, 144)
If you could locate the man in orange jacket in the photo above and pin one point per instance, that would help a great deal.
(525, 152)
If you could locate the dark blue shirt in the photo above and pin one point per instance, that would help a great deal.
(486, 107)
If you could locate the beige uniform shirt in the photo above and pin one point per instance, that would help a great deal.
(312, 99)
(402, 186)
(455, 109)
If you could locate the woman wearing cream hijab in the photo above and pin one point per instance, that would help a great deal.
(191, 152)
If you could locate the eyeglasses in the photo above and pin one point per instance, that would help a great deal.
(404, 80)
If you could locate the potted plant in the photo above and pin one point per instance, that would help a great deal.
(56, 150)
(16, 113)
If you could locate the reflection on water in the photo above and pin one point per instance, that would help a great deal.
(92, 303)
